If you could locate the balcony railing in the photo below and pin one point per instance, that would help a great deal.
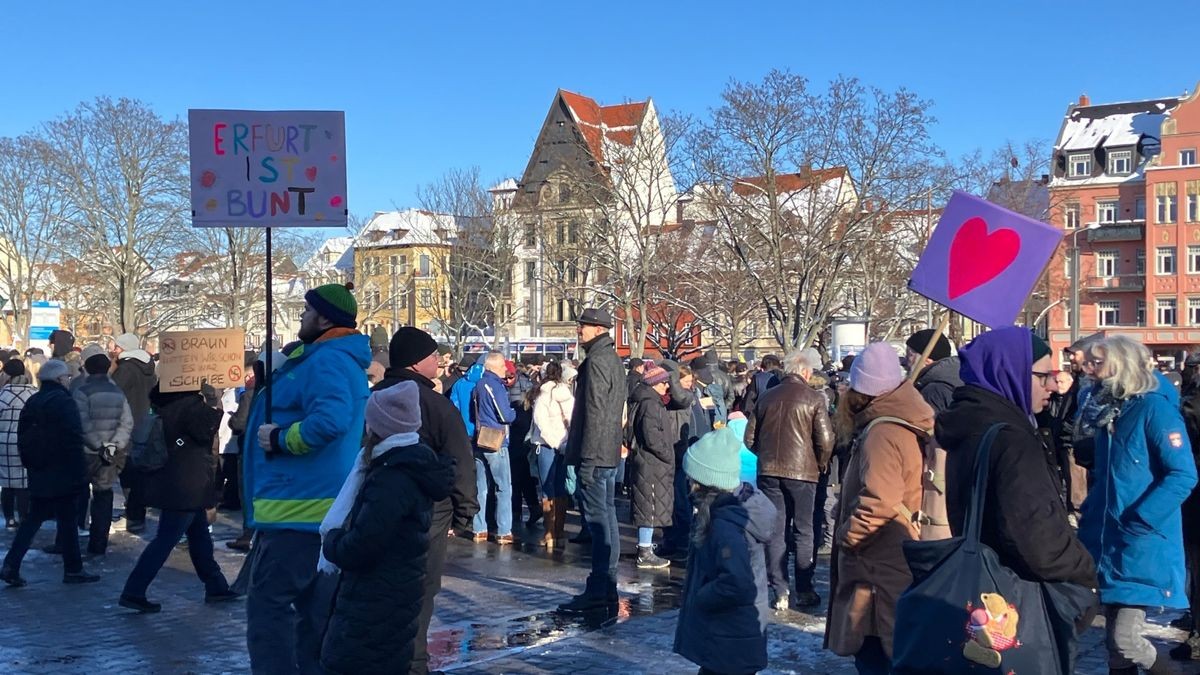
(1117, 284)
(1124, 231)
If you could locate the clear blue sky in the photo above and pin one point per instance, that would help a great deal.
(453, 84)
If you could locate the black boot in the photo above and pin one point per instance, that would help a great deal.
(1188, 650)
(12, 577)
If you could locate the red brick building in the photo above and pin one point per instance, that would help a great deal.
(1126, 187)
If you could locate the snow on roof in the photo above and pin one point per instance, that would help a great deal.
(1114, 124)
(507, 185)
(334, 253)
(597, 123)
(410, 227)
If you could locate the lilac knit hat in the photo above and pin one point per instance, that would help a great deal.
(876, 371)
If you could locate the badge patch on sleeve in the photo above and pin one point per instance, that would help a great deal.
(1176, 439)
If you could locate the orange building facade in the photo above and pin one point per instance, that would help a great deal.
(1126, 191)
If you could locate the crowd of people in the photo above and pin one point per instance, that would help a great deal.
(357, 469)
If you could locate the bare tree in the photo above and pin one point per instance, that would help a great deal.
(31, 224)
(122, 172)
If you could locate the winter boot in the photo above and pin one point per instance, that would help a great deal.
(1188, 650)
(646, 560)
(549, 514)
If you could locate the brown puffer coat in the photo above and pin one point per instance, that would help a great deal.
(880, 493)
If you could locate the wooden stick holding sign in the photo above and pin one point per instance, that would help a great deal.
(982, 261)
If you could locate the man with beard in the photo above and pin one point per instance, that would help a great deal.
(293, 473)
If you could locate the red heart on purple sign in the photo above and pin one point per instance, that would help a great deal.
(977, 256)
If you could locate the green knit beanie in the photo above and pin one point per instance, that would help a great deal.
(334, 302)
(715, 460)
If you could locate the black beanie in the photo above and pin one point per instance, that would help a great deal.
(1040, 348)
(14, 368)
(921, 338)
(410, 345)
(96, 364)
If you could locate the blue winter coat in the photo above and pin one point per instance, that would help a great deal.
(318, 400)
(1131, 521)
(490, 406)
(722, 621)
(460, 395)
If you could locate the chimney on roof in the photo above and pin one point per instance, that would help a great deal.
(1045, 179)
(1084, 101)
(806, 169)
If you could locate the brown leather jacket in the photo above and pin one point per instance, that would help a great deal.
(790, 431)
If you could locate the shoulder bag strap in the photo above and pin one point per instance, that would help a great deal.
(974, 517)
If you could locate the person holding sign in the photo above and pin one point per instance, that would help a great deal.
(294, 472)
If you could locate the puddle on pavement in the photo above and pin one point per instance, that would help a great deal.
(460, 644)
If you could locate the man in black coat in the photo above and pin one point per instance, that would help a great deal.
(769, 373)
(413, 354)
(135, 376)
(594, 448)
(50, 438)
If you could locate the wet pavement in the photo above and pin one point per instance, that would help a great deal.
(495, 614)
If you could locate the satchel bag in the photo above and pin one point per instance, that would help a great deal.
(967, 613)
(488, 439)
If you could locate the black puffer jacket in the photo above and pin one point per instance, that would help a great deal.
(652, 459)
(382, 558)
(136, 378)
(937, 383)
(50, 438)
(188, 480)
(600, 395)
(1024, 518)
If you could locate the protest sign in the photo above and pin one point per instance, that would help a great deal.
(982, 260)
(188, 358)
(253, 168)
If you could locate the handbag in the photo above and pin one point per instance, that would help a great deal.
(489, 439)
(965, 612)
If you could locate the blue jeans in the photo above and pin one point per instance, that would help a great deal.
(492, 471)
(599, 501)
(552, 472)
(171, 526)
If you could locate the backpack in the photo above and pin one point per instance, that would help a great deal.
(148, 450)
(933, 490)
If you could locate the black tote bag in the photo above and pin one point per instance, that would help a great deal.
(967, 613)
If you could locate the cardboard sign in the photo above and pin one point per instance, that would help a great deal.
(983, 260)
(188, 358)
(254, 168)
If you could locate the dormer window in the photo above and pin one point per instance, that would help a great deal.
(1079, 165)
(1120, 163)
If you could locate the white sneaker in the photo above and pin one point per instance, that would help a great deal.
(781, 603)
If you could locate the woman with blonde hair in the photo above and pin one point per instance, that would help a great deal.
(1131, 521)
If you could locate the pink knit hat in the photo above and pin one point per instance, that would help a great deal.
(876, 371)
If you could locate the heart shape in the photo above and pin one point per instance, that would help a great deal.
(311, 173)
(977, 256)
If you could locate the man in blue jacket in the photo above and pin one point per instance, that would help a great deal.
(490, 408)
(292, 475)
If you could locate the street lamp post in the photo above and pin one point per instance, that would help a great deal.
(1075, 280)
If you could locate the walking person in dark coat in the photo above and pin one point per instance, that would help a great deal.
(377, 533)
(594, 448)
(414, 357)
(652, 462)
(724, 615)
(183, 489)
(135, 375)
(50, 438)
(107, 426)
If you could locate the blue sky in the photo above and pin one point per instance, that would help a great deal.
(453, 84)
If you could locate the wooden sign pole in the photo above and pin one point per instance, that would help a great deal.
(916, 368)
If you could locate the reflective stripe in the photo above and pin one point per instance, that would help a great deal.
(294, 442)
(291, 510)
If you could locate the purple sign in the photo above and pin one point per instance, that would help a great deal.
(983, 260)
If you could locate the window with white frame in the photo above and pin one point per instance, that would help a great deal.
(1193, 259)
(1139, 262)
(1106, 263)
(1140, 313)
(1167, 311)
(1166, 209)
(1106, 211)
(1187, 157)
(1067, 267)
(1193, 208)
(1066, 316)
(1108, 313)
(1071, 216)
(1080, 165)
(1164, 260)
(1193, 314)
(1120, 163)
(426, 298)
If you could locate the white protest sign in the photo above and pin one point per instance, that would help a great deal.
(188, 358)
(258, 168)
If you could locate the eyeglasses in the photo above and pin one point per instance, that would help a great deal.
(1043, 378)
(1095, 362)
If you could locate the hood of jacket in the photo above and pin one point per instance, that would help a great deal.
(974, 409)
(904, 402)
(760, 512)
(139, 355)
(357, 346)
(394, 376)
(645, 394)
(474, 373)
(433, 473)
(945, 371)
(1166, 389)
(752, 516)
(144, 367)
